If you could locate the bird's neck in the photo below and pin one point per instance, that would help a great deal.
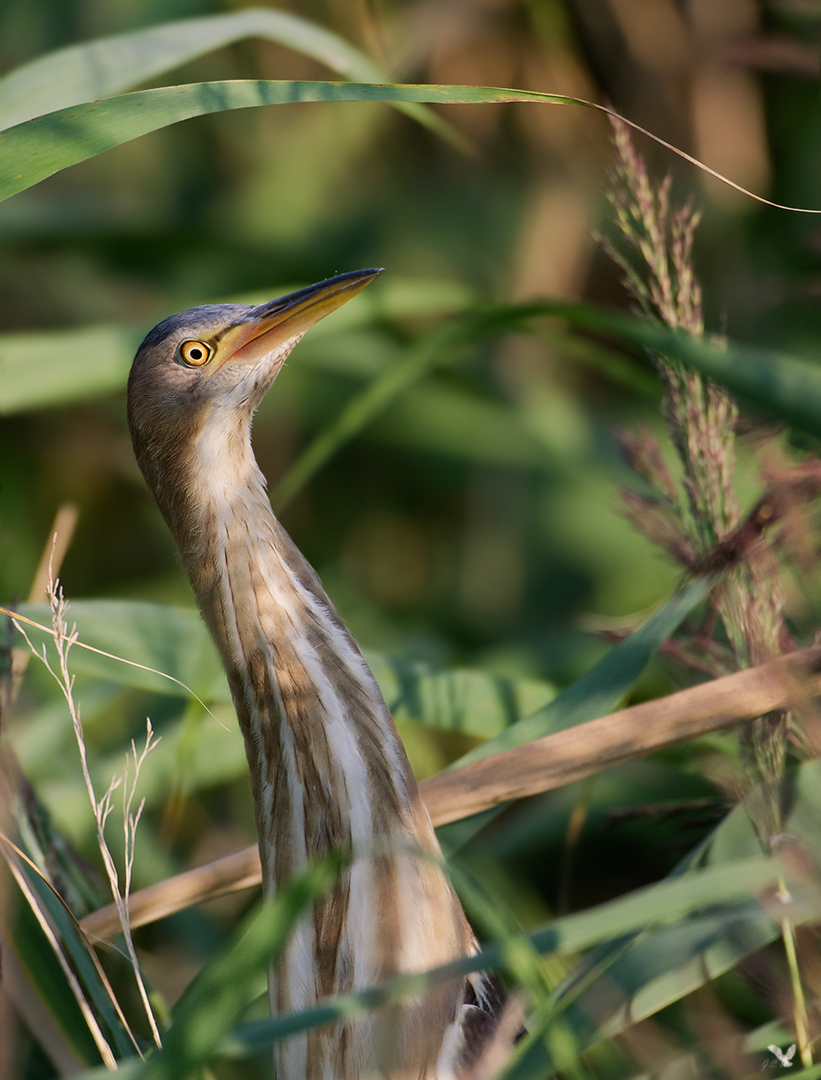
(321, 741)
(328, 771)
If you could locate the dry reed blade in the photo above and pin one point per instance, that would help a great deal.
(547, 763)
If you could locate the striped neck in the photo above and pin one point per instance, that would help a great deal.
(327, 770)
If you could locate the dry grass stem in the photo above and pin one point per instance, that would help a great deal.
(51, 559)
(547, 763)
(63, 641)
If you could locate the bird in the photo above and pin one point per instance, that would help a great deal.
(328, 770)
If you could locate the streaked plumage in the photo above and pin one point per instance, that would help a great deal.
(327, 766)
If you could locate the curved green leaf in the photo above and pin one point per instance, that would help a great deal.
(720, 896)
(77, 949)
(643, 974)
(107, 66)
(39, 148)
(110, 65)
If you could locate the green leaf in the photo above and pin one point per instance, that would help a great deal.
(229, 983)
(109, 65)
(25, 946)
(595, 694)
(628, 980)
(38, 148)
(775, 382)
(727, 890)
(58, 366)
(674, 961)
(472, 702)
(174, 641)
(717, 900)
(83, 963)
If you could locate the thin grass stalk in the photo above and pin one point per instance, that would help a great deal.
(800, 1016)
(63, 641)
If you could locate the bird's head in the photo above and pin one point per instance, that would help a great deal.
(198, 376)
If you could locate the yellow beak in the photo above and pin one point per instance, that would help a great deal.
(262, 330)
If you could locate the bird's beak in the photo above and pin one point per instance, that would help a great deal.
(267, 327)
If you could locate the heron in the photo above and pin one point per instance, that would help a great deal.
(328, 770)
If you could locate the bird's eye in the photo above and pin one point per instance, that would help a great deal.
(195, 353)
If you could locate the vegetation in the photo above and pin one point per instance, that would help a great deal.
(532, 508)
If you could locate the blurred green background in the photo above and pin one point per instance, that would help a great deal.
(476, 523)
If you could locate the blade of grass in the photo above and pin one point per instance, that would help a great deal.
(594, 694)
(228, 984)
(727, 888)
(109, 65)
(774, 382)
(78, 950)
(33, 981)
(48, 930)
(40, 147)
(723, 893)
(627, 980)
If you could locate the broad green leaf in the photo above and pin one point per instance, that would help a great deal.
(469, 701)
(172, 641)
(107, 66)
(38, 148)
(192, 757)
(58, 366)
(595, 694)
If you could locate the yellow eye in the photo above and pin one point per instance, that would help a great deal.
(195, 353)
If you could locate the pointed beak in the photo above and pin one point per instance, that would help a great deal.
(266, 328)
